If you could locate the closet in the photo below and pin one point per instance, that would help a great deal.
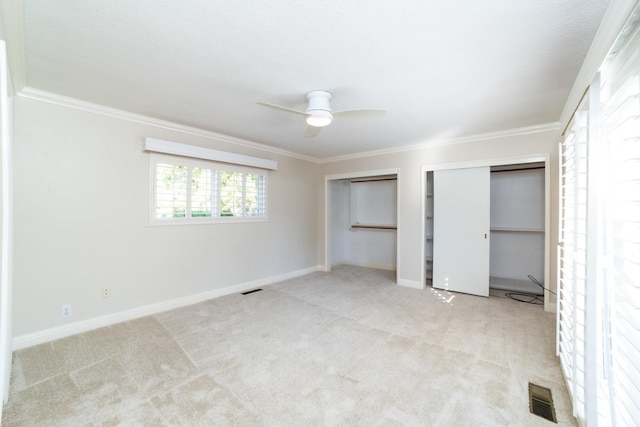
(484, 228)
(517, 228)
(362, 222)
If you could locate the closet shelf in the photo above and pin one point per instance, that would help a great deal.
(518, 229)
(374, 227)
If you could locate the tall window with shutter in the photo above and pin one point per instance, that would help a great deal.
(572, 262)
(599, 245)
(621, 226)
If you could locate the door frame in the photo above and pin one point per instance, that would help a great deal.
(545, 157)
(6, 226)
(328, 207)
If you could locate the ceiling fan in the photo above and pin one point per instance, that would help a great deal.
(319, 114)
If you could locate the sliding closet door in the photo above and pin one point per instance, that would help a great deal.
(461, 230)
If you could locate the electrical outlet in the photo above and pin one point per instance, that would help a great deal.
(106, 292)
(66, 310)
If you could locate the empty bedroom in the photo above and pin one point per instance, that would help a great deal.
(347, 213)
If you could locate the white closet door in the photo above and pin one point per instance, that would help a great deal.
(461, 230)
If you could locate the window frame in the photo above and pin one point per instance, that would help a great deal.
(218, 168)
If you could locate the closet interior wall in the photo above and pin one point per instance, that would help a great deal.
(517, 227)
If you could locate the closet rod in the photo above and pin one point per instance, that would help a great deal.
(518, 169)
(376, 227)
(376, 179)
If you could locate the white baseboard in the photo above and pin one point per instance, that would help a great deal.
(40, 337)
(415, 284)
(551, 307)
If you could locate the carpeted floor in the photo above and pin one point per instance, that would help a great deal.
(342, 348)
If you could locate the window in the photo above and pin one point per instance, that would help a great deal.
(190, 190)
(599, 247)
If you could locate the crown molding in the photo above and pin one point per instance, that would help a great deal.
(65, 101)
(613, 21)
(508, 133)
(12, 32)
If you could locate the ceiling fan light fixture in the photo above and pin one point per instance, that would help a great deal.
(319, 118)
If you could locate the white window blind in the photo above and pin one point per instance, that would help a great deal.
(188, 190)
(621, 245)
(572, 260)
(599, 245)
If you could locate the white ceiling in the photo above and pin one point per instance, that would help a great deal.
(442, 69)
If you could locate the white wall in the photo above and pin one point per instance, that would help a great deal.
(339, 219)
(81, 222)
(517, 202)
(369, 248)
(410, 182)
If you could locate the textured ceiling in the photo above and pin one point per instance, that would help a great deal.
(441, 68)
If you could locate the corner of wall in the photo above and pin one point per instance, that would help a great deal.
(415, 284)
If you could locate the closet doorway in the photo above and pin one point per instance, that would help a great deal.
(486, 226)
(361, 211)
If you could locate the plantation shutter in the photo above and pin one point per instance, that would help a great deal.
(599, 243)
(170, 184)
(572, 260)
(621, 208)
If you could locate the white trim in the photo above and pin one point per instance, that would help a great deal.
(29, 340)
(68, 102)
(362, 174)
(543, 157)
(487, 162)
(6, 219)
(64, 101)
(193, 151)
(411, 284)
(12, 31)
(548, 306)
(610, 26)
(509, 133)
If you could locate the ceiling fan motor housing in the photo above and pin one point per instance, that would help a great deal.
(319, 104)
(319, 100)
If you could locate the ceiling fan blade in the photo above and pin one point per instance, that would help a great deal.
(281, 108)
(312, 131)
(359, 114)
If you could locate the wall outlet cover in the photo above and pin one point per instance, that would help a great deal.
(66, 310)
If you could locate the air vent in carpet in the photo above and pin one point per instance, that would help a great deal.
(250, 292)
(541, 402)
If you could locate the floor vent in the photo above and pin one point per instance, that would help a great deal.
(250, 292)
(541, 402)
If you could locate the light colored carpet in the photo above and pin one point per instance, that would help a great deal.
(342, 348)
